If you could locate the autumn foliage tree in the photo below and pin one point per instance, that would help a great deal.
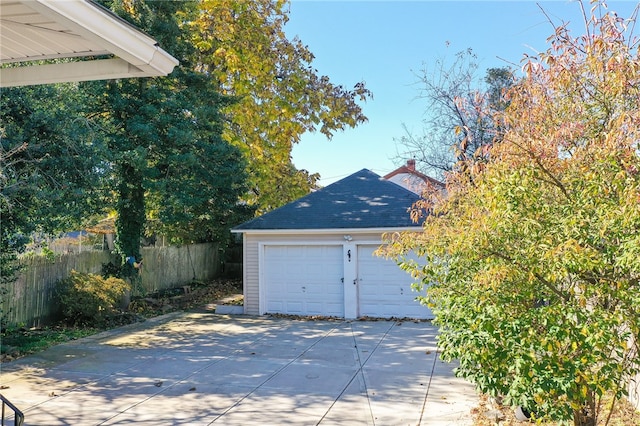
(279, 95)
(533, 257)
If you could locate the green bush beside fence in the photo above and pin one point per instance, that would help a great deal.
(30, 300)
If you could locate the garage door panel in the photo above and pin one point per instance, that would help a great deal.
(275, 306)
(294, 308)
(389, 310)
(303, 280)
(384, 290)
(336, 289)
(367, 290)
(312, 270)
(386, 310)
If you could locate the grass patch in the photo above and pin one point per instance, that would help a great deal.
(18, 342)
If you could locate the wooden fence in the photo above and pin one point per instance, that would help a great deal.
(30, 299)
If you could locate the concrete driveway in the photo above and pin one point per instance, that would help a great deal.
(208, 369)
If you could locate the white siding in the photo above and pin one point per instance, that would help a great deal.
(250, 275)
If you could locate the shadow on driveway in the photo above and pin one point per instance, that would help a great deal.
(208, 369)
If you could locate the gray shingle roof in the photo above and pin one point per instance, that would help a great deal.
(362, 200)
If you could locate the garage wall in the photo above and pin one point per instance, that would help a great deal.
(251, 274)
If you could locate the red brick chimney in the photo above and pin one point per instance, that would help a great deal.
(411, 165)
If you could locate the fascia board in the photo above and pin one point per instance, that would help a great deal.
(102, 69)
(116, 36)
(324, 231)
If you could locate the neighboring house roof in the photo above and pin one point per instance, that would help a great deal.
(412, 179)
(360, 201)
(36, 30)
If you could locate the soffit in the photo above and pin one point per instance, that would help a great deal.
(37, 30)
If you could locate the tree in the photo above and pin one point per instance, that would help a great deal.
(279, 94)
(168, 160)
(49, 179)
(458, 114)
(533, 270)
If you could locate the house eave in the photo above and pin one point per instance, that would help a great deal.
(104, 69)
(136, 54)
(326, 231)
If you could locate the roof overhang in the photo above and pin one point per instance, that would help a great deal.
(38, 30)
(326, 231)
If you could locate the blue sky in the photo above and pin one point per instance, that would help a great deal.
(386, 43)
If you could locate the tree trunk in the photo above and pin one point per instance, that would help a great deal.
(586, 415)
(580, 418)
(131, 216)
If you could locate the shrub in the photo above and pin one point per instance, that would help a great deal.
(88, 298)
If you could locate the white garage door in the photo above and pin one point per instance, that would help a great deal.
(303, 280)
(384, 290)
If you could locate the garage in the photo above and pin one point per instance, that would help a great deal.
(315, 256)
(303, 280)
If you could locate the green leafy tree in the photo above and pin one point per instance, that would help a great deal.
(199, 203)
(49, 178)
(533, 270)
(279, 94)
(460, 107)
(172, 171)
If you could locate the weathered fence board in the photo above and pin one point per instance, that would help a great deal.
(30, 299)
(166, 267)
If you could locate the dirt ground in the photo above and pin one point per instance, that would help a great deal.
(192, 296)
(490, 414)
